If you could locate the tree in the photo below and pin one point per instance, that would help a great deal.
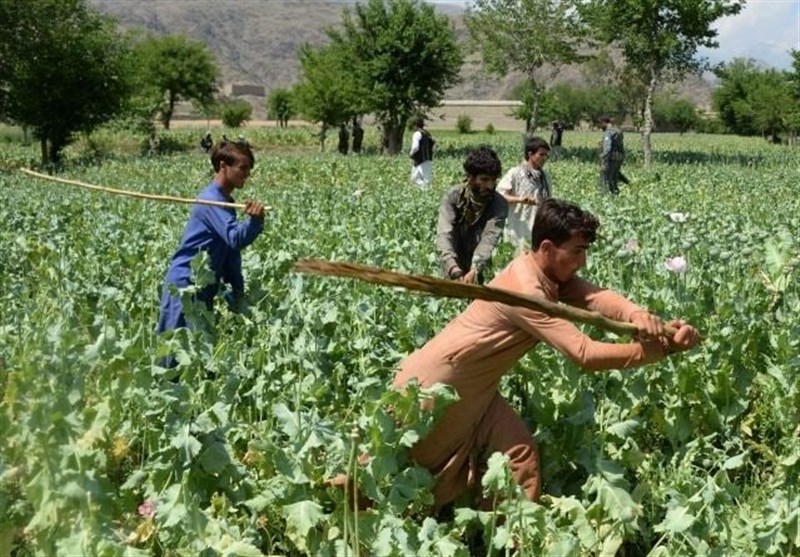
(405, 56)
(533, 37)
(793, 118)
(674, 114)
(62, 70)
(658, 39)
(179, 69)
(753, 101)
(327, 93)
(279, 106)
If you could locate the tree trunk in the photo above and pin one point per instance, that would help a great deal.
(648, 119)
(43, 146)
(323, 132)
(166, 116)
(394, 132)
(537, 95)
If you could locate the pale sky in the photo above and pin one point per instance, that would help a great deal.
(765, 30)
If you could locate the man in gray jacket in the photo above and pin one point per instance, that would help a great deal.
(471, 219)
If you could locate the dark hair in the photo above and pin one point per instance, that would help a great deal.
(606, 119)
(533, 144)
(483, 160)
(419, 122)
(558, 221)
(229, 152)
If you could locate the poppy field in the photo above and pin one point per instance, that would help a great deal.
(103, 452)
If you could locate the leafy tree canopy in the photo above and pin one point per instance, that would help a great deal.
(405, 56)
(532, 37)
(658, 39)
(178, 69)
(62, 70)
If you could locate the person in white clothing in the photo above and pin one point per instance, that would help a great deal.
(422, 154)
(524, 187)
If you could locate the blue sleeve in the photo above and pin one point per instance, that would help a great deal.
(235, 235)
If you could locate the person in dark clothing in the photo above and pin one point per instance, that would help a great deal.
(344, 139)
(206, 142)
(358, 136)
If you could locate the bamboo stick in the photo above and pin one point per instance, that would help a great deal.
(453, 289)
(139, 195)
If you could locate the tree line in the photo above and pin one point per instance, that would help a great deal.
(65, 69)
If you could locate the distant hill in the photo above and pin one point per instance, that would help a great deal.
(257, 41)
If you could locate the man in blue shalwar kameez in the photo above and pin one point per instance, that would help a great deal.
(216, 231)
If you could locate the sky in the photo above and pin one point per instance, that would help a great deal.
(764, 30)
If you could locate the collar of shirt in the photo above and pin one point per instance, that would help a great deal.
(550, 287)
(217, 188)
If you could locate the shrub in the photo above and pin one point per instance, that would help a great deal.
(464, 123)
(490, 128)
(236, 113)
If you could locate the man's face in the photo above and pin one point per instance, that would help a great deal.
(482, 185)
(237, 173)
(564, 261)
(537, 159)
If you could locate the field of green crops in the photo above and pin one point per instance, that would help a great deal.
(102, 453)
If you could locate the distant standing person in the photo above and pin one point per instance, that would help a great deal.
(612, 154)
(422, 154)
(358, 136)
(216, 231)
(206, 142)
(525, 187)
(555, 138)
(471, 219)
(344, 139)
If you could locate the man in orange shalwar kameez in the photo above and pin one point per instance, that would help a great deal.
(476, 348)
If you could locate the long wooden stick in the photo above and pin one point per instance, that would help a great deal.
(138, 195)
(454, 289)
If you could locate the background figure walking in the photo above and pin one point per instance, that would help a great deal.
(525, 187)
(612, 154)
(556, 135)
(422, 154)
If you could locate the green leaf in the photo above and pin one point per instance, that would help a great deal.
(300, 518)
(623, 429)
(734, 461)
(242, 549)
(186, 444)
(678, 519)
(214, 457)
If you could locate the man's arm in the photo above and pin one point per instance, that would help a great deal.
(507, 187)
(583, 294)
(491, 234)
(224, 224)
(445, 237)
(589, 354)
